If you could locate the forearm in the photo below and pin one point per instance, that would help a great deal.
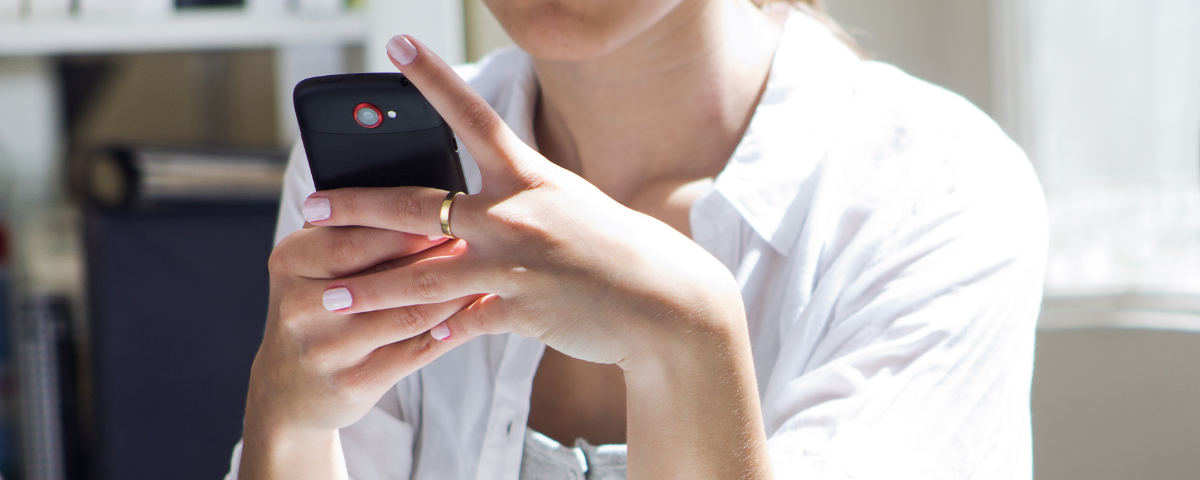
(693, 412)
(281, 453)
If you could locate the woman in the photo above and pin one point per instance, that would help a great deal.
(857, 297)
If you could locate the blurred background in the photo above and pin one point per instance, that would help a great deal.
(142, 141)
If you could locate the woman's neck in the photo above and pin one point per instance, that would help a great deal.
(669, 106)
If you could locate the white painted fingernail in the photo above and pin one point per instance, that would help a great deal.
(436, 238)
(440, 332)
(336, 299)
(316, 209)
(401, 50)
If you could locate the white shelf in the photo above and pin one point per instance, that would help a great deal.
(178, 32)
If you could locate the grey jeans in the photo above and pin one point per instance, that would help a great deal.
(546, 459)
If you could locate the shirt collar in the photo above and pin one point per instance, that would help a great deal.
(807, 95)
(808, 92)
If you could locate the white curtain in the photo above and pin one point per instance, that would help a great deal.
(1108, 101)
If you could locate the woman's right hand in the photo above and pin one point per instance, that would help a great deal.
(319, 369)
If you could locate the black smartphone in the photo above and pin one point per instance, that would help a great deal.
(374, 130)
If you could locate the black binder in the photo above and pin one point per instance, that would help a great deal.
(177, 303)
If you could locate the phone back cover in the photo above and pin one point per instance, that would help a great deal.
(416, 148)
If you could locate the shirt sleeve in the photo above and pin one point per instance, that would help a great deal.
(380, 445)
(924, 364)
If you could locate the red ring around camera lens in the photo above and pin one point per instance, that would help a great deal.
(367, 106)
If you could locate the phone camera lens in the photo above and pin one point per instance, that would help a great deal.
(367, 115)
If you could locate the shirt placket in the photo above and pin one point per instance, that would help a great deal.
(500, 458)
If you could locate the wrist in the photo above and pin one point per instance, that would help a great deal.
(693, 409)
(695, 356)
(698, 349)
(291, 453)
(700, 325)
(273, 448)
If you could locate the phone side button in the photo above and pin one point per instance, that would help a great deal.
(330, 79)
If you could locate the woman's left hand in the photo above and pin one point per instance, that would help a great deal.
(562, 262)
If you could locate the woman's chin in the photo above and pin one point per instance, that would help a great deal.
(577, 30)
(565, 43)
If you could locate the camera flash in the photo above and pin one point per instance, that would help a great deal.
(391, 114)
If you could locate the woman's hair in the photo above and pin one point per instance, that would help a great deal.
(816, 5)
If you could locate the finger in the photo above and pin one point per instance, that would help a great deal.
(432, 280)
(414, 210)
(448, 246)
(365, 332)
(341, 341)
(494, 146)
(391, 363)
(340, 251)
(486, 315)
(300, 310)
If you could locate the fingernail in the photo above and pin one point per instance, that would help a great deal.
(315, 209)
(336, 299)
(436, 238)
(440, 332)
(401, 50)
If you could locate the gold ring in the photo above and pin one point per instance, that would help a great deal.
(450, 196)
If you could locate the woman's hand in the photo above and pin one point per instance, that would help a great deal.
(318, 371)
(559, 261)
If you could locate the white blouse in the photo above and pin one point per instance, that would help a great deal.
(890, 244)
